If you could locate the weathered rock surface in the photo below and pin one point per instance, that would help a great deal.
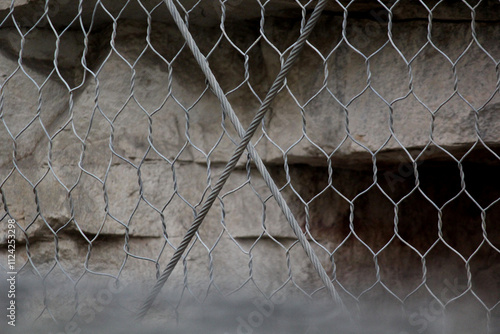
(207, 13)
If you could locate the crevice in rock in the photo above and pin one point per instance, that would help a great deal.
(438, 204)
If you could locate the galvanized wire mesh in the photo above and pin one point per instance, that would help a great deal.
(382, 141)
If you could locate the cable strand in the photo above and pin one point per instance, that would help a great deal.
(244, 143)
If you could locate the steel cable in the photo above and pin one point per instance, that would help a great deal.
(244, 143)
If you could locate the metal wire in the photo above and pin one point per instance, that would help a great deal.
(246, 137)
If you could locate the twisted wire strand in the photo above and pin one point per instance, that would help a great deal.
(244, 143)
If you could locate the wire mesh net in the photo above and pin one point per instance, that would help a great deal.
(382, 141)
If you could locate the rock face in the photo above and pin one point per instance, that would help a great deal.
(386, 149)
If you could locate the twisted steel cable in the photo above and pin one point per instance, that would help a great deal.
(244, 143)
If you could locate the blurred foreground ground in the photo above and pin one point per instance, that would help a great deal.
(113, 311)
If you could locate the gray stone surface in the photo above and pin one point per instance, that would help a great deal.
(207, 13)
(368, 109)
(432, 94)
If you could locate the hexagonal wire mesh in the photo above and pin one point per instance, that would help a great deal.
(380, 148)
